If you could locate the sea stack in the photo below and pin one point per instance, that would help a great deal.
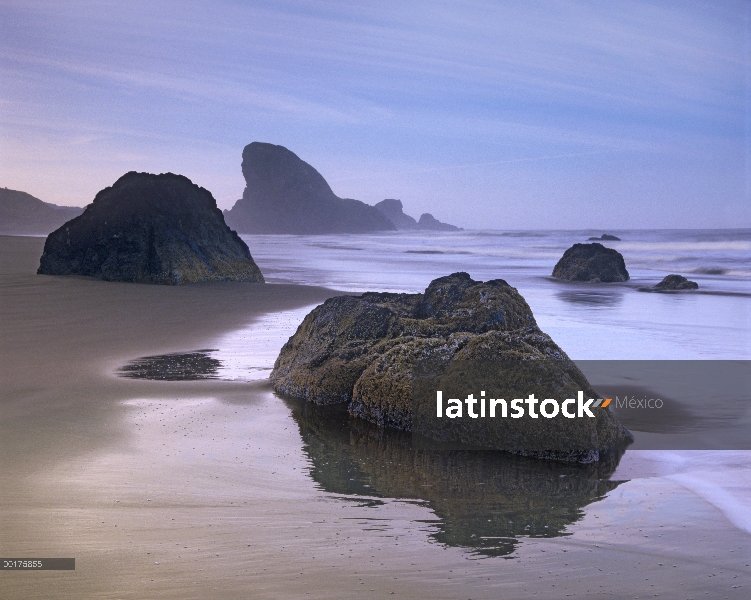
(385, 355)
(148, 228)
(284, 194)
(593, 263)
(429, 223)
(394, 211)
(605, 237)
(676, 283)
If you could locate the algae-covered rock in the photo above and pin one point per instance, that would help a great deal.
(386, 355)
(150, 229)
(592, 263)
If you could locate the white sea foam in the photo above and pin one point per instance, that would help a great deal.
(248, 354)
(720, 477)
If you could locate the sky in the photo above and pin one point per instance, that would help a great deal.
(490, 115)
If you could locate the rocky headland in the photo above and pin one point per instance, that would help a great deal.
(593, 263)
(385, 355)
(393, 210)
(150, 229)
(23, 214)
(676, 283)
(284, 194)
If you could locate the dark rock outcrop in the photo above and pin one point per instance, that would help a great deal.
(284, 194)
(676, 282)
(591, 262)
(23, 214)
(430, 223)
(605, 237)
(394, 212)
(387, 354)
(150, 229)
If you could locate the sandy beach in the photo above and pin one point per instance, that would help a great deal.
(213, 488)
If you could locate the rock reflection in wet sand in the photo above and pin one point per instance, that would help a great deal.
(484, 500)
(591, 298)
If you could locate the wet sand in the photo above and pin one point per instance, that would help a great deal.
(203, 489)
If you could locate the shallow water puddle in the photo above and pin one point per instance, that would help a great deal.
(246, 354)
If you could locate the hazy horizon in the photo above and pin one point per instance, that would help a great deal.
(634, 115)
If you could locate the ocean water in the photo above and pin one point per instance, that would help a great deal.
(619, 322)
(589, 321)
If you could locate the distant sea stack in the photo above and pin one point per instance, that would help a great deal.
(150, 229)
(23, 214)
(429, 222)
(284, 194)
(394, 212)
(605, 237)
(676, 283)
(593, 263)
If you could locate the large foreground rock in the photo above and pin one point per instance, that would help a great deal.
(675, 283)
(284, 194)
(386, 355)
(151, 229)
(593, 263)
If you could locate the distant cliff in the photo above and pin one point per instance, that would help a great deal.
(284, 194)
(150, 229)
(22, 214)
(393, 210)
